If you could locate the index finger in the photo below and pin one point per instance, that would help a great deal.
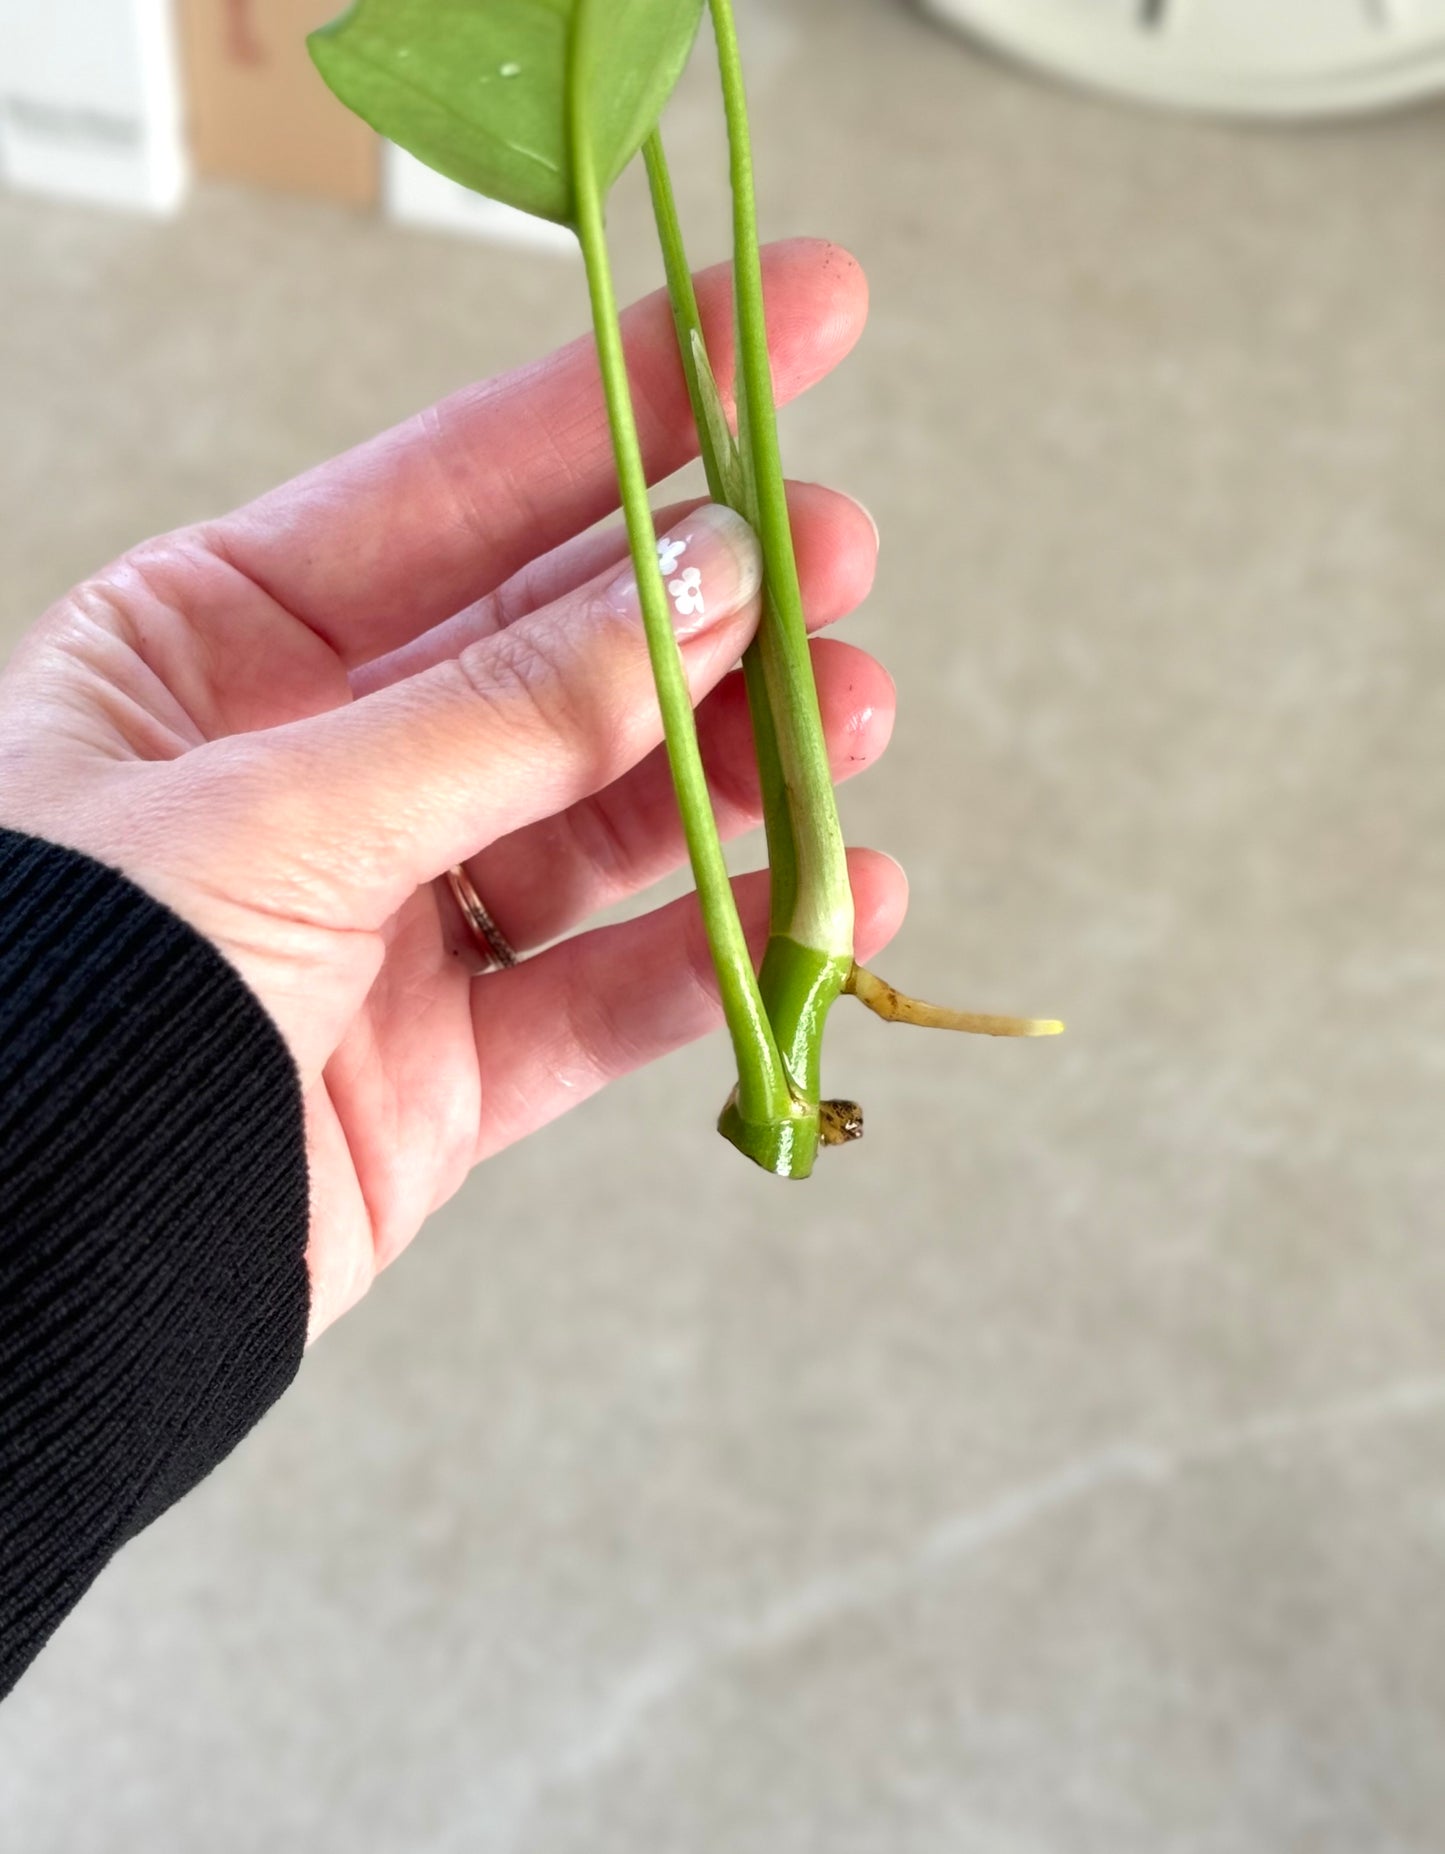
(390, 538)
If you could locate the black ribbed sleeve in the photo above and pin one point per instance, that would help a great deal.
(153, 1214)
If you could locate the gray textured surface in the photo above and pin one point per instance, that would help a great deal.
(1064, 1470)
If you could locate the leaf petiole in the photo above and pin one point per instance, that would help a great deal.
(763, 1095)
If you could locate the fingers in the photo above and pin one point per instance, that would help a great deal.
(544, 881)
(564, 1024)
(371, 801)
(393, 537)
(834, 537)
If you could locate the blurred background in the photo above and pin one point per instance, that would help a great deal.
(1062, 1471)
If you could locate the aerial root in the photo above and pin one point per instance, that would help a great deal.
(896, 1007)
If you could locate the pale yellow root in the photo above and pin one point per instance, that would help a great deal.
(895, 1007)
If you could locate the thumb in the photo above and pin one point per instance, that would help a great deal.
(384, 795)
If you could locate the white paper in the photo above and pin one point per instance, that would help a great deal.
(90, 101)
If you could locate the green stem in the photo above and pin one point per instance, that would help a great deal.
(763, 1097)
(721, 469)
(727, 484)
(810, 951)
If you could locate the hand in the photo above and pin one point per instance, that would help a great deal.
(288, 724)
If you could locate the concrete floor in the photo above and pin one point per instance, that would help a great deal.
(1063, 1471)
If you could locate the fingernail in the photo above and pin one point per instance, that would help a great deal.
(711, 568)
(872, 521)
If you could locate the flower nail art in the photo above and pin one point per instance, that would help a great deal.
(669, 553)
(687, 593)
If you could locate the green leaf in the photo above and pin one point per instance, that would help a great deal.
(478, 88)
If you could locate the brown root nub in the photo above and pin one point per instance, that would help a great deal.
(839, 1122)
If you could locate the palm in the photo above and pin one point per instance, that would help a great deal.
(393, 1112)
(394, 1121)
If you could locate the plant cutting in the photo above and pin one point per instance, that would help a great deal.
(543, 104)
